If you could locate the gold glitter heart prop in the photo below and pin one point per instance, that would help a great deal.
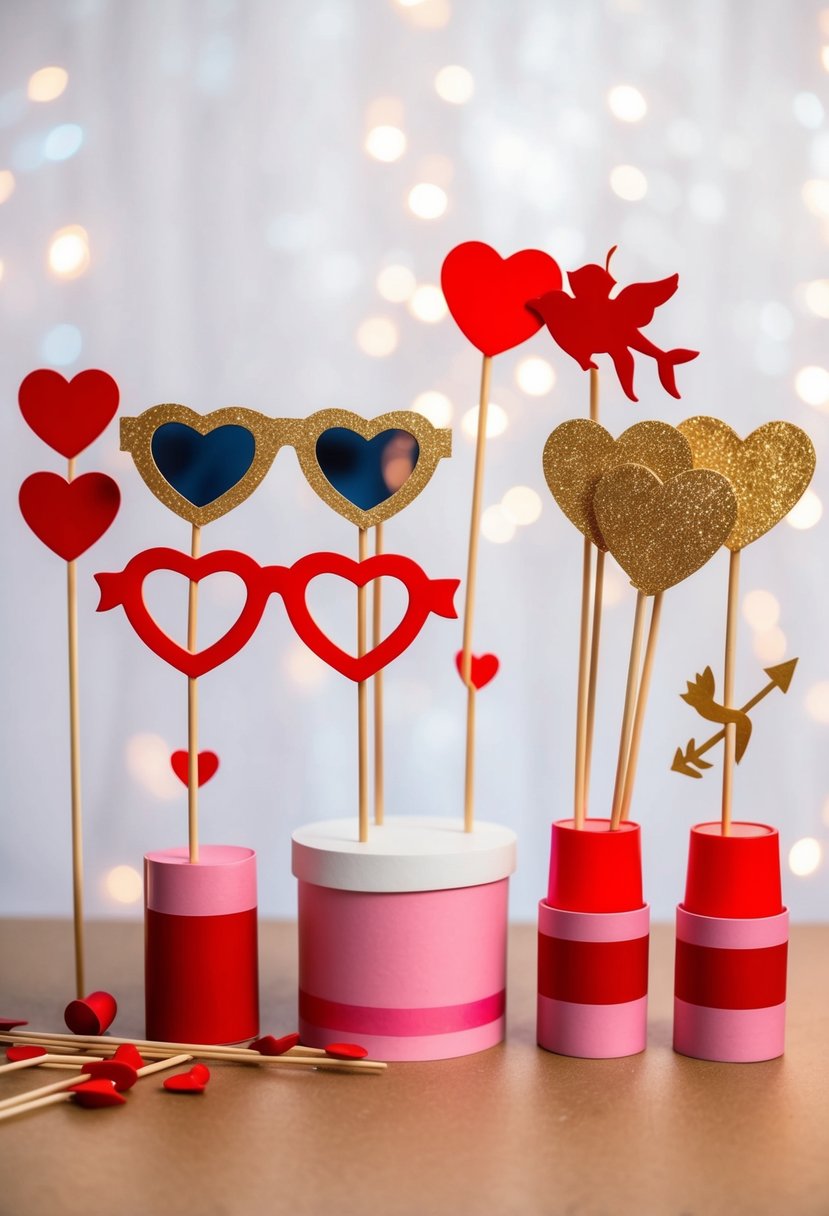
(369, 469)
(203, 465)
(580, 452)
(768, 470)
(661, 533)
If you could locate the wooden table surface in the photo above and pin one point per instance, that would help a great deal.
(512, 1130)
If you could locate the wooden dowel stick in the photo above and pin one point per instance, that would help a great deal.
(730, 745)
(193, 711)
(102, 1042)
(49, 1058)
(376, 638)
(23, 1108)
(595, 640)
(627, 713)
(362, 700)
(61, 1091)
(75, 765)
(641, 704)
(469, 599)
(582, 687)
(42, 1091)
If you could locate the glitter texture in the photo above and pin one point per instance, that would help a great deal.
(580, 452)
(769, 470)
(660, 534)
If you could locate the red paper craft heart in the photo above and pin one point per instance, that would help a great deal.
(128, 1053)
(270, 1046)
(127, 588)
(200, 1072)
(68, 414)
(7, 1024)
(425, 595)
(208, 765)
(96, 1093)
(186, 1083)
(482, 668)
(13, 1054)
(487, 294)
(69, 516)
(121, 1074)
(346, 1051)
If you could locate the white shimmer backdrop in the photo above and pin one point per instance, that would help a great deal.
(236, 227)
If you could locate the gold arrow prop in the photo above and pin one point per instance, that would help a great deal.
(700, 695)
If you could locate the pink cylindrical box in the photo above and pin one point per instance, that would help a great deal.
(402, 939)
(732, 937)
(593, 938)
(201, 957)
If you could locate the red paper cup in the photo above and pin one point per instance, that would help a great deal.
(593, 869)
(201, 959)
(91, 1015)
(735, 875)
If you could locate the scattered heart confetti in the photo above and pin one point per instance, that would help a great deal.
(346, 1051)
(128, 1053)
(482, 668)
(207, 768)
(96, 1093)
(13, 1054)
(68, 414)
(7, 1024)
(270, 1046)
(191, 1082)
(69, 516)
(122, 1076)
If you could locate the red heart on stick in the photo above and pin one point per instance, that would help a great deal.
(68, 414)
(96, 1093)
(69, 516)
(20, 1052)
(487, 294)
(482, 668)
(208, 764)
(192, 1082)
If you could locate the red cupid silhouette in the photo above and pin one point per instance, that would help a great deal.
(589, 322)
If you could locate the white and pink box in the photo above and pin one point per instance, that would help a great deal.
(403, 939)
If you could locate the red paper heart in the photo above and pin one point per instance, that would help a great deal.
(121, 1074)
(127, 588)
(96, 1093)
(270, 1046)
(186, 1083)
(69, 516)
(208, 764)
(346, 1051)
(68, 414)
(482, 668)
(128, 1053)
(200, 1072)
(487, 294)
(7, 1024)
(13, 1054)
(425, 595)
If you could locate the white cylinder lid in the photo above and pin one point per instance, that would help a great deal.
(415, 853)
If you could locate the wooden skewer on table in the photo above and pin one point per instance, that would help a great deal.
(62, 1061)
(61, 1091)
(92, 1040)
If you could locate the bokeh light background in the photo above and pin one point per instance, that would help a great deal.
(225, 202)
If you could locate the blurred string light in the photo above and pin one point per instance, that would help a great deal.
(61, 345)
(628, 183)
(63, 141)
(454, 84)
(812, 385)
(427, 303)
(521, 505)
(627, 103)
(770, 645)
(435, 406)
(377, 337)
(815, 195)
(7, 184)
(817, 702)
(496, 422)
(148, 763)
(385, 143)
(761, 609)
(124, 884)
(47, 84)
(615, 589)
(536, 377)
(808, 110)
(496, 525)
(69, 252)
(805, 856)
(426, 14)
(816, 296)
(427, 201)
(806, 513)
(396, 283)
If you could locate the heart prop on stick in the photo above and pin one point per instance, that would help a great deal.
(660, 534)
(69, 515)
(769, 471)
(483, 668)
(486, 295)
(208, 766)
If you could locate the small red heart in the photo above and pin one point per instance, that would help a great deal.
(127, 1053)
(122, 1076)
(487, 294)
(7, 1024)
(346, 1051)
(68, 414)
(69, 516)
(24, 1053)
(208, 764)
(200, 1072)
(482, 668)
(96, 1093)
(269, 1046)
(186, 1083)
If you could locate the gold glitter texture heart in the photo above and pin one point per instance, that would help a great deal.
(580, 452)
(768, 470)
(662, 533)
